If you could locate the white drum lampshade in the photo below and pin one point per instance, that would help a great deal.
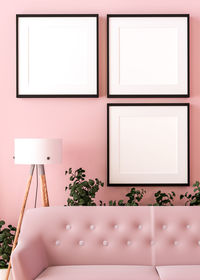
(38, 151)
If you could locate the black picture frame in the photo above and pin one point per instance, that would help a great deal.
(161, 184)
(18, 95)
(186, 95)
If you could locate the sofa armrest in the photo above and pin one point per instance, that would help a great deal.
(28, 260)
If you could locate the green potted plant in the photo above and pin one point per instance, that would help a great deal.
(7, 235)
(164, 199)
(82, 192)
(134, 197)
(192, 199)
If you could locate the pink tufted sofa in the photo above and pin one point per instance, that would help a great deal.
(109, 243)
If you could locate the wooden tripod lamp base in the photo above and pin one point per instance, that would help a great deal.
(36, 152)
(45, 198)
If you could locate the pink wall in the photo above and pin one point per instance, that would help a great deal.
(80, 122)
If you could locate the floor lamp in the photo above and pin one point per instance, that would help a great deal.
(36, 152)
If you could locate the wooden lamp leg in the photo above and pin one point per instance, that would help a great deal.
(45, 197)
(21, 216)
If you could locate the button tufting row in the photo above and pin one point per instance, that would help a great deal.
(128, 243)
(104, 243)
(140, 227)
(164, 227)
(82, 243)
(92, 227)
(68, 227)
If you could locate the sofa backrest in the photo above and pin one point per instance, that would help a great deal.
(91, 235)
(143, 235)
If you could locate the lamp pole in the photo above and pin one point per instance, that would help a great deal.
(45, 197)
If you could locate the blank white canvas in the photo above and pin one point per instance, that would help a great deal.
(148, 144)
(148, 138)
(57, 55)
(148, 55)
(142, 56)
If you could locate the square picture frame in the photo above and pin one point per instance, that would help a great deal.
(57, 55)
(148, 55)
(148, 144)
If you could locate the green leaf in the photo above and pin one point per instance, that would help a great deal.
(5, 256)
(91, 182)
(157, 194)
(75, 196)
(121, 202)
(81, 202)
(2, 223)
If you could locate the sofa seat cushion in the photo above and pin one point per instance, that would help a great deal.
(179, 272)
(99, 272)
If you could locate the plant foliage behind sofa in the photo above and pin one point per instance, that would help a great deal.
(7, 235)
(83, 192)
(192, 199)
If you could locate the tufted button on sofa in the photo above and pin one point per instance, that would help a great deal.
(109, 243)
